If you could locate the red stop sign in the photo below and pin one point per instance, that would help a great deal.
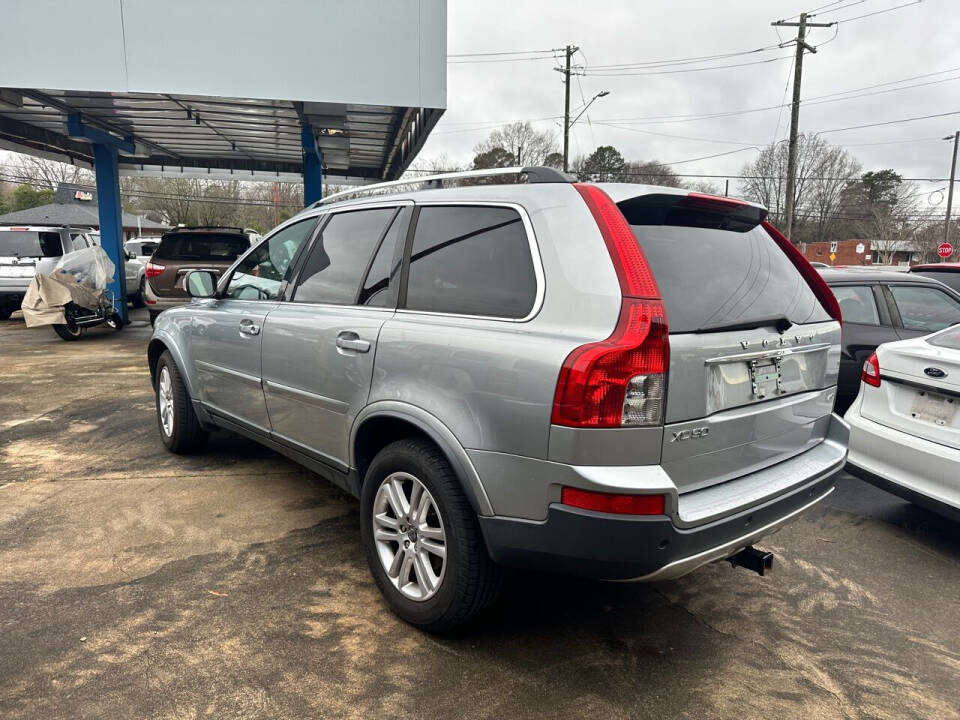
(945, 250)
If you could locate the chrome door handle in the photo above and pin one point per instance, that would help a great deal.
(249, 327)
(351, 341)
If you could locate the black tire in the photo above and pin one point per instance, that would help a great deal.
(138, 300)
(115, 322)
(153, 318)
(69, 332)
(471, 580)
(6, 312)
(186, 436)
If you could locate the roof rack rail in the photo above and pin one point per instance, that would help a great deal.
(208, 227)
(535, 174)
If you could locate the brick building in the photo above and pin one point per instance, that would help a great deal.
(847, 252)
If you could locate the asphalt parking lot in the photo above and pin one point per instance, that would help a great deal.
(135, 583)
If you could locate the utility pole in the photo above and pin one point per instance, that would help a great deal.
(802, 46)
(953, 175)
(571, 49)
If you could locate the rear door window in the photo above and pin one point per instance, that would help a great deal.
(714, 268)
(27, 243)
(471, 260)
(202, 246)
(857, 304)
(927, 309)
(335, 266)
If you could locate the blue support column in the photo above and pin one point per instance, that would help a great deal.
(111, 219)
(312, 166)
(106, 166)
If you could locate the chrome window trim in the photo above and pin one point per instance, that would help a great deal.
(532, 244)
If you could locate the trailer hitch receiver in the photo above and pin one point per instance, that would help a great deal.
(760, 561)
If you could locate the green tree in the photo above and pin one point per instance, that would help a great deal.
(494, 157)
(27, 196)
(554, 160)
(602, 165)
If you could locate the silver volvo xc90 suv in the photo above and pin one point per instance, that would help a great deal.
(612, 380)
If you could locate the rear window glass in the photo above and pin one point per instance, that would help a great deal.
(950, 278)
(948, 338)
(201, 246)
(471, 261)
(24, 243)
(715, 270)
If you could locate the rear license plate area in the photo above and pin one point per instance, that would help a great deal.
(765, 377)
(934, 408)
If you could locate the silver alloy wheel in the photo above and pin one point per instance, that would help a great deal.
(409, 536)
(165, 401)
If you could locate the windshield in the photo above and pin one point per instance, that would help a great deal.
(201, 246)
(24, 243)
(740, 274)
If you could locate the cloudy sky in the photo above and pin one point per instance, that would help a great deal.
(901, 45)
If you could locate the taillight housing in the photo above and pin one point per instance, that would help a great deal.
(816, 282)
(871, 371)
(617, 503)
(152, 269)
(620, 381)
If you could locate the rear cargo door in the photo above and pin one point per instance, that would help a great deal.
(24, 252)
(753, 354)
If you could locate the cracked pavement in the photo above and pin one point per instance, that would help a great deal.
(135, 583)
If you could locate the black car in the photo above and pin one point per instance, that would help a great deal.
(881, 307)
(947, 273)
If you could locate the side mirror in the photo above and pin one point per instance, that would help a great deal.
(131, 255)
(200, 284)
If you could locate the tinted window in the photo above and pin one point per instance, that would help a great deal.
(857, 304)
(261, 273)
(380, 285)
(949, 278)
(23, 243)
(471, 261)
(202, 246)
(717, 268)
(337, 260)
(926, 309)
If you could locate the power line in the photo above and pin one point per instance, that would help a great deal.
(879, 12)
(888, 122)
(682, 61)
(605, 73)
(503, 52)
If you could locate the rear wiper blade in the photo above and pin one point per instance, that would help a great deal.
(780, 322)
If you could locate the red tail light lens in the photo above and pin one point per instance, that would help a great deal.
(636, 278)
(620, 381)
(814, 280)
(152, 270)
(613, 503)
(871, 371)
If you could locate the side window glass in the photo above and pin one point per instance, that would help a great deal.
(260, 274)
(857, 304)
(380, 286)
(471, 261)
(78, 241)
(926, 309)
(334, 269)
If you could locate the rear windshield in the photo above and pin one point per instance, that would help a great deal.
(948, 338)
(147, 248)
(24, 243)
(201, 246)
(717, 268)
(950, 278)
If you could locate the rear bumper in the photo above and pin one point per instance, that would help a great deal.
(157, 303)
(921, 471)
(11, 297)
(618, 547)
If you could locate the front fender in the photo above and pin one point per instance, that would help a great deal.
(172, 332)
(431, 426)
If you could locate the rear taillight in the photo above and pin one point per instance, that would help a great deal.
(819, 286)
(871, 371)
(613, 503)
(152, 270)
(620, 381)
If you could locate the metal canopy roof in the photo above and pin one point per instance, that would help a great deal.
(224, 87)
(245, 138)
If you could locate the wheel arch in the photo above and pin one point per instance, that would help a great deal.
(381, 423)
(155, 349)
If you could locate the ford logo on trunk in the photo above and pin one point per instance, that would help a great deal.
(935, 372)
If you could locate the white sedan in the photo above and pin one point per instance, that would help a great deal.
(905, 424)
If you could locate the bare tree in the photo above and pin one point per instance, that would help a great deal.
(649, 172)
(49, 173)
(835, 170)
(529, 145)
